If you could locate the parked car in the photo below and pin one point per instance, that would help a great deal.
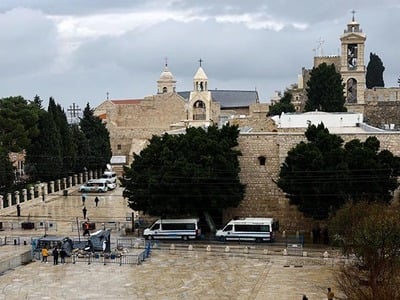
(94, 186)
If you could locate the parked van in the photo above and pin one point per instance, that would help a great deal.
(184, 229)
(110, 175)
(249, 229)
(110, 185)
(94, 186)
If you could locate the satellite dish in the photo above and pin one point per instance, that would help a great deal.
(109, 167)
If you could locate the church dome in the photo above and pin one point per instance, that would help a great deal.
(166, 75)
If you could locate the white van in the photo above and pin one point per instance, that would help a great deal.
(110, 175)
(184, 229)
(249, 229)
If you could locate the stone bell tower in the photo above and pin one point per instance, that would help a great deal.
(352, 65)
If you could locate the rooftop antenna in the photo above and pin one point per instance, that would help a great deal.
(108, 94)
(320, 43)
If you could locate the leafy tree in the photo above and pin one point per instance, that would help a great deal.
(98, 139)
(44, 156)
(68, 147)
(284, 105)
(325, 90)
(18, 123)
(320, 175)
(370, 233)
(186, 174)
(375, 69)
(6, 171)
(81, 146)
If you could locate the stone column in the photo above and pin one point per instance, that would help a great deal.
(32, 192)
(58, 185)
(70, 182)
(9, 199)
(24, 195)
(80, 178)
(1, 202)
(64, 183)
(90, 174)
(75, 182)
(16, 194)
(51, 187)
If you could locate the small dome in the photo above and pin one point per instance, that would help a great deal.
(166, 75)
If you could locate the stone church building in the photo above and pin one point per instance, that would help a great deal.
(263, 141)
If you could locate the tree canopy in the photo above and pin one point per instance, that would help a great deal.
(375, 69)
(284, 105)
(325, 90)
(371, 233)
(186, 174)
(320, 175)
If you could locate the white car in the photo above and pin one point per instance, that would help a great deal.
(110, 185)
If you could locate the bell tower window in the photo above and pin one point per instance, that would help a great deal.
(165, 90)
(199, 110)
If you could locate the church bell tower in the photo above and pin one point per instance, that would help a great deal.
(352, 65)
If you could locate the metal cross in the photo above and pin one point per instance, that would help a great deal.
(74, 110)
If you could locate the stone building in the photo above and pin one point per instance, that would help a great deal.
(379, 105)
(264, 142)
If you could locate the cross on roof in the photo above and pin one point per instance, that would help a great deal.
(353, 12)
(74, 110)
(200, 61)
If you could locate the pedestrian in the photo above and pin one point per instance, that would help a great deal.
(305, 297)
(55, 256)
(45, 253)
(86, 229)
(83, 199)
(96, 200)
(330, 294)
(84, 211)
(63, 254)
(18, 210)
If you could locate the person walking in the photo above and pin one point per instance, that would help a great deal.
(63, 254)
(83, 199)
(45, 254)
(96, 201)
(55, 256)
(18, 210)
(84, 211)
(86, 229)
(330, 294)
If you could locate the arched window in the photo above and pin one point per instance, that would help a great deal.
(351, 87)
(199, 110)
(164, 89)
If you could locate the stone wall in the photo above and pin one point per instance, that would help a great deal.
(383, 113)
(263, 197)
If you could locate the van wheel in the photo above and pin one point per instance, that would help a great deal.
(184, 237)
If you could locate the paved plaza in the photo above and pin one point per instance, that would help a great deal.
(166, 274)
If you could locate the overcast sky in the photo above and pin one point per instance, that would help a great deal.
(78, 50)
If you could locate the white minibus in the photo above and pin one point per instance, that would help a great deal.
(184, 229)
(110, 175)
(249, 229)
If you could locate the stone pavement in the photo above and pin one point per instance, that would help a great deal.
(166, 274)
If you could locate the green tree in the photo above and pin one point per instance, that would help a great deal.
(44, 159)
(98, 139)
(284, 105)
(68, 147)
(18, 123)
(375, 69)
(187, 174)
(320, 175)
(81, 145)
(370, 233)
(6, 171)
(325, 90)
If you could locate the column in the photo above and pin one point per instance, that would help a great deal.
(32, 192)
(75, 182)
(64, 183)
(1, 202)
(51, 187)
(16, 194)
(9, 199)
(58, 185)
(24, 195)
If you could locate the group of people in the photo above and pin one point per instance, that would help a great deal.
(56, 253)
(330, 295)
